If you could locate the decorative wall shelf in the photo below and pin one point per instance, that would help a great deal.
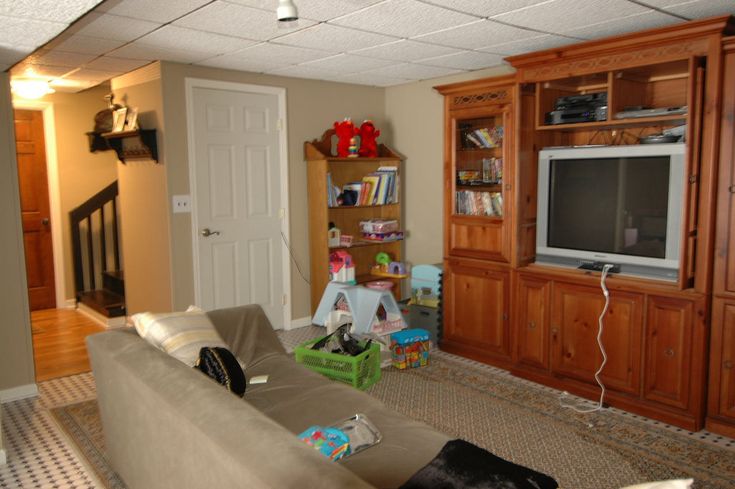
(133, 145)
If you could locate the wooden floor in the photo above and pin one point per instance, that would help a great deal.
(58, 342)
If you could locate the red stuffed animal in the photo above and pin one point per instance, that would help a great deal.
(345, 131)
(368, 135)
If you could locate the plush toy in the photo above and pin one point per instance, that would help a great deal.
(368, 135)
(345, 131)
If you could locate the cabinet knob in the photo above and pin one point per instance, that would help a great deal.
(531, 325)
(728, 364)
(669, 352)
(554, 331)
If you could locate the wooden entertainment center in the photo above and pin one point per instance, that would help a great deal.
(671, 344)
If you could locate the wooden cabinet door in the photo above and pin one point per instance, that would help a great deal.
(669, 332)
(476, 301)
(574, 329)
(724, 269)
(722, 360)
(532, 324)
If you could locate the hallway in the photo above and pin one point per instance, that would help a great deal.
(58, 342)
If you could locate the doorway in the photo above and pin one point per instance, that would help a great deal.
(239, 189)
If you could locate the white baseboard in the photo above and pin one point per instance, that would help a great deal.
(3, 457)
(69, 304)
(18, 393)
(299, 323)
(100, 319)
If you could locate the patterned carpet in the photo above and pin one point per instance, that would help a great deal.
(512, 418)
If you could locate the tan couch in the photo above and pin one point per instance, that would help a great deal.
(169, 426)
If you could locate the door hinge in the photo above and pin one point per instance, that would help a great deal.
(284, 300)
(279, 124)
(282, 213)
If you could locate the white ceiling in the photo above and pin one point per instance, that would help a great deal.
(80, 43)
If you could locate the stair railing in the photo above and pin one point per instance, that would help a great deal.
(94, 239)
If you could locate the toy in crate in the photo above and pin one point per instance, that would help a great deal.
(360, 371)
(410, 348)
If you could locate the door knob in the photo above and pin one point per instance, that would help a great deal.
(45, 221)
(206, 232)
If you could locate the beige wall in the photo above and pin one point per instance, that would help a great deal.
(16, 352)
(312, 107)
(415, 113)
(144, 211)
(81, 172)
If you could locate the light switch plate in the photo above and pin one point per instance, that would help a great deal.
(182, 203)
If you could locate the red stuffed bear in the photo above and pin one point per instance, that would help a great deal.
(345, 131)
(368, 135)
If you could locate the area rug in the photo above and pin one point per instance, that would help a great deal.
(82, 424)
(514, 419)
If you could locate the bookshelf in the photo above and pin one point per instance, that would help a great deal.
(323, 168)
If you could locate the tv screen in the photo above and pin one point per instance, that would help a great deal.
(621, 205)
(609, 205)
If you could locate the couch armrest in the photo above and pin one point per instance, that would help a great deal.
(247, 331)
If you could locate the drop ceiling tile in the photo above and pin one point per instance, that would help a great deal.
(333, 38)
(558, 15)
(110, 63)
(92, 75)
(150, 53)
(372, 80)
(300, 71)
(55, 10)
(348, 63)
(486, 8)
(411, 71)
(27, 32)
(521, 46)
(231, 62)
(465, 60)
(613, 27)
(477, 35)
(173, 37)
(406, 50)
(695, 9)
(404, 18)
(77, 43)
(237, 20)
(320, 10)
(106, 26)
(281, 54)
(155, 11)
(60, 58)
(40, 71)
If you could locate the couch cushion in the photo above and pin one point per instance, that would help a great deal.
(180, 334)
(298, 398)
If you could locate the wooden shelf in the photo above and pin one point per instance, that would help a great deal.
(140, 144)
(363, 243)
(363, 206)
(616, 123)
(493, 187)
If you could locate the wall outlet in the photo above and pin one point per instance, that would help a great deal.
(182, 203)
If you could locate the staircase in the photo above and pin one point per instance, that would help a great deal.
(98, 276)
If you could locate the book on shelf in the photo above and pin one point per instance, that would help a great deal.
(475, 203)
(483, 137)
(380, 187)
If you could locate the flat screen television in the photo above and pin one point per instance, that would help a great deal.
(612, 204)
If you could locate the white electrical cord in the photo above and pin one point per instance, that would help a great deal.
(580, 407)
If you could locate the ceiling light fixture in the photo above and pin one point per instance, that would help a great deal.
(30, 88)
(286, 13)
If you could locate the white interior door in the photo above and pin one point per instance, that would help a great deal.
(237, 198)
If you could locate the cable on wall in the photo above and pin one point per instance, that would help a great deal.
(293, 258)
(583, 406)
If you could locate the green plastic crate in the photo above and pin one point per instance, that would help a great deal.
(360, 372)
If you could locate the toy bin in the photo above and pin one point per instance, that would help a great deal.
(410, 348)
(360, 371)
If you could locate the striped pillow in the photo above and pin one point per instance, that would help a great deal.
(180, 334)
